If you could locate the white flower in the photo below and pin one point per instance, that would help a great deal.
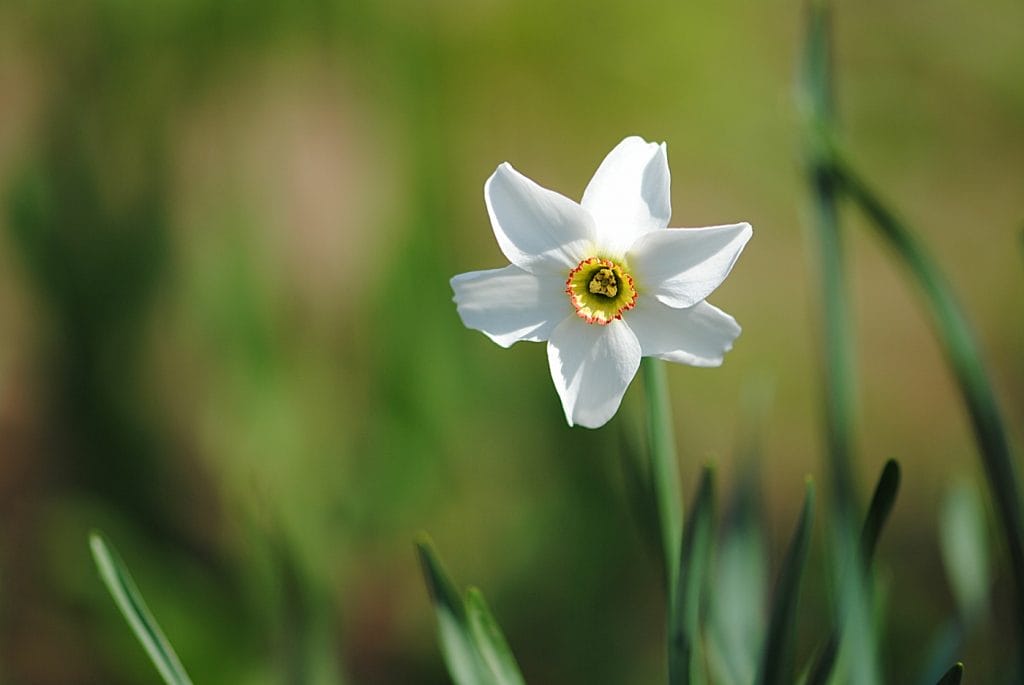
(603, 281)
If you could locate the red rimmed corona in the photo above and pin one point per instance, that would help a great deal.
(600, 290)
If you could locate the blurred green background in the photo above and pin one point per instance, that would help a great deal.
(226, 335)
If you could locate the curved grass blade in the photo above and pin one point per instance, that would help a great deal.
(775, 662)
(465, 663)
(128, 599)
(695, 551)
(664, 467)
(953, 676)
(830, 172)
(961, 352)
(491, 641)
(882, 501)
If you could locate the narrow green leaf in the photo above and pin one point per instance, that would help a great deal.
(878, 513)
(664, 467)
(737, 603)
(953, 676)
(128, 599)
(639, 489)
(775, 662)
(695, 552)
(465, 663)
(858, 660)
(490, 641)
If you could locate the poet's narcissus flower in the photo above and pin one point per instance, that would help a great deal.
(603, 281)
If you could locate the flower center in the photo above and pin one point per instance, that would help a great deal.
(600, 290)
(604, 283)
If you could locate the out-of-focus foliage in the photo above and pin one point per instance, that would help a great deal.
(964, 544)
(227, 338)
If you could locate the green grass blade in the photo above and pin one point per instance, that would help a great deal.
(962, 354)
(878, 513)
(858, 660)
(664, 467)
(737, 602)
(775, 661)
(881, 505)
(953, 676)
(491, 641)
(695, 553)
(465, 663)
(639, 490)
(128, 599)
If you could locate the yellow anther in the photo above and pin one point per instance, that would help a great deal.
(604, 283)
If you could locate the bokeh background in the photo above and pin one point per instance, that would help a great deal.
(226, 335)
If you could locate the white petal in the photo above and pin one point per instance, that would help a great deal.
(629, 194)
(699, 335)
(508, 305)
(682, 266)
(592, 366)
(537, 229)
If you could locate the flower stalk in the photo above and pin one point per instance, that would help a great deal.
(855, 633)
(664, 467)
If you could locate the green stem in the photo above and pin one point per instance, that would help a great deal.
(664, 466)
(835, 308)
(838, 345)
(854, 593)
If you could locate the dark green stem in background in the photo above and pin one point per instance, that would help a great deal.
(854, 590)
(838, 345)
(837, 333)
